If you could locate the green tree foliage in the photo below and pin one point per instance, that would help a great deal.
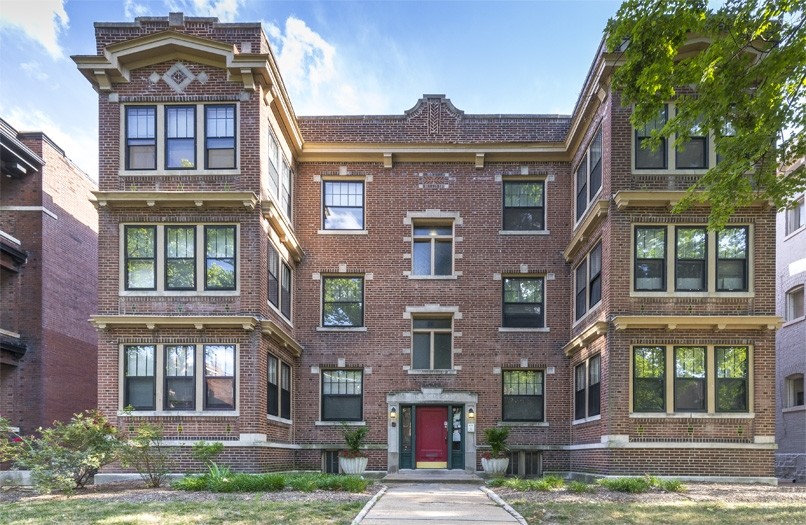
(748, 85)
(144, 453)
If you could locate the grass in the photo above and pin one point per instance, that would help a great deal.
(541, 484)
(644, 484)
(222, 480)
(684, 512)
(227, 510)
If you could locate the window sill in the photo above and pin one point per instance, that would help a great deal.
(688, 295)
(184, 293)
(589, 313)
(793, 233)
(523, 232)
(522, 424)
(692, 415)
(428, 372)
(278, 419)
(340, 423)
(455, 275)
(793, 321)
(176, 172)
(280, 314)
(180, 413)
(505, 329)
(342, 232)
(341, 329)
(590, 419)
(799, 408)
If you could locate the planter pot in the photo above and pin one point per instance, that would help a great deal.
(495, 466)
(353, 465)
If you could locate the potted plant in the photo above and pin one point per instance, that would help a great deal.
(353, 460)
(496, 461)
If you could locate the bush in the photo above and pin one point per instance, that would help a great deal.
(579, 487)
(354, 438)
(632, 485)
(496, 438)
(672, 485)
(145, 454)
(66, 456)
(207, 452)
(222, 480)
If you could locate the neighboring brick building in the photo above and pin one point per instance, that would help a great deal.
(48, 269)
(791, 341)
(265, 276)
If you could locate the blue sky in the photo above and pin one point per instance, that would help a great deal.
(336, 57)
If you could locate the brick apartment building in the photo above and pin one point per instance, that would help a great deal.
(791, 340)
(48, 269)
(264, 276)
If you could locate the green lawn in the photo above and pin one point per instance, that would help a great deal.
(223, 510)
(684, 512)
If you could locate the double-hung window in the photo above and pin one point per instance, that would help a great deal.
(180, 377)
(586, 388)
(589, 175)
(139, 377)
(342, 395)
(432, 343)
(522, 395)
(524, 206)
(274, 276)
(588, 282)
(731, 259)
(274, 166)
(285, 391)
(342, 302)
(219, 377)
(219, 147)
(180, 137)
(649, 379)
(280, 285)
(693, 153)
(285, 190)
(794, 304)
(796, 215)
(691, 259)
(141, 138)
(433, 249)
(731, 378)
(180, 257)
(219, 266)
(645, 158)
(523, 302)
(689, 379)
(273, 391)
(285, 290)
(343, 205)
(140, 245)
(650, 258)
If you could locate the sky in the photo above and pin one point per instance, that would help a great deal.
(337, 57)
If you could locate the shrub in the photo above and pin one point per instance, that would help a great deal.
(191, 483)
(496, 438)
(579, 487)
(207, 452)
(354, 438)
(145, 454)
(633, 485)
(66, 456)
(672, 485)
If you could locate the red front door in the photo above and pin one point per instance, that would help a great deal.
(432, 437)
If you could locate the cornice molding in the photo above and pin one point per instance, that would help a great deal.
(626, 199)
(198, 322)
(689, 322)
(269, 327)
(283, 228)
(198, 199)
(595, 215)
(589, 335)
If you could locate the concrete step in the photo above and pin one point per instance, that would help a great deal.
(433, 476)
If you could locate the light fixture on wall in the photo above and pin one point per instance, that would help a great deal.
(393, 416)
(471, 414)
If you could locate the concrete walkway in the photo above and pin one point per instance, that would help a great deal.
(436, 503)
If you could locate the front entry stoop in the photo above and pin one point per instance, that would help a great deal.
(432, 476)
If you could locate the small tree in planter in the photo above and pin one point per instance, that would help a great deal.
(353, 460)
(496, 461)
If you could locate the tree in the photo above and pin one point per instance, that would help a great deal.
(748, 86)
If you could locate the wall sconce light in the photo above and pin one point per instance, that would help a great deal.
(471, 414)
(393, 416)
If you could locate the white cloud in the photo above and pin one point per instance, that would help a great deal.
(34, 70)
(41, 21)
(78, 144)
(225, 10)
(132, 9)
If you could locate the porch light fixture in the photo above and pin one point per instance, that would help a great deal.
(471, 414)
(393, 416)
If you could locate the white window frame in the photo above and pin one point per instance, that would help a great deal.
(356, 328)
(794, 384)
(579, 215)
(794, 299)
(345, 180)
(425, 222)
(431, 331)
(795, 217)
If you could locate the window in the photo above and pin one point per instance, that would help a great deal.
(285, 291)
(179, 270)
(274, 275)
(342, 395)
(523, 395)
(586, 388)
(342, 301)
(219, 146)
(694, 387)
(285, 190)
(343, 205)
(689, 379)
(794, 391)
(523, 302)
(180, 377)
(219, 266)
(141, 257)
(794, 303)
(645, 158)
(285, 391)
(693, 153)
(589, 175)
(219, 377)
(731, 261)
(524, 208)
(141, 138)
(432, 343)
(691, 261)
(649, 374)
(180, 257)
(273, 381)
(139, 378)
(274, 166)
(796, 216)
(169, 377)
(731, 378)
(433, 249)
(180, 137)
(650, 258)
(588, 282)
